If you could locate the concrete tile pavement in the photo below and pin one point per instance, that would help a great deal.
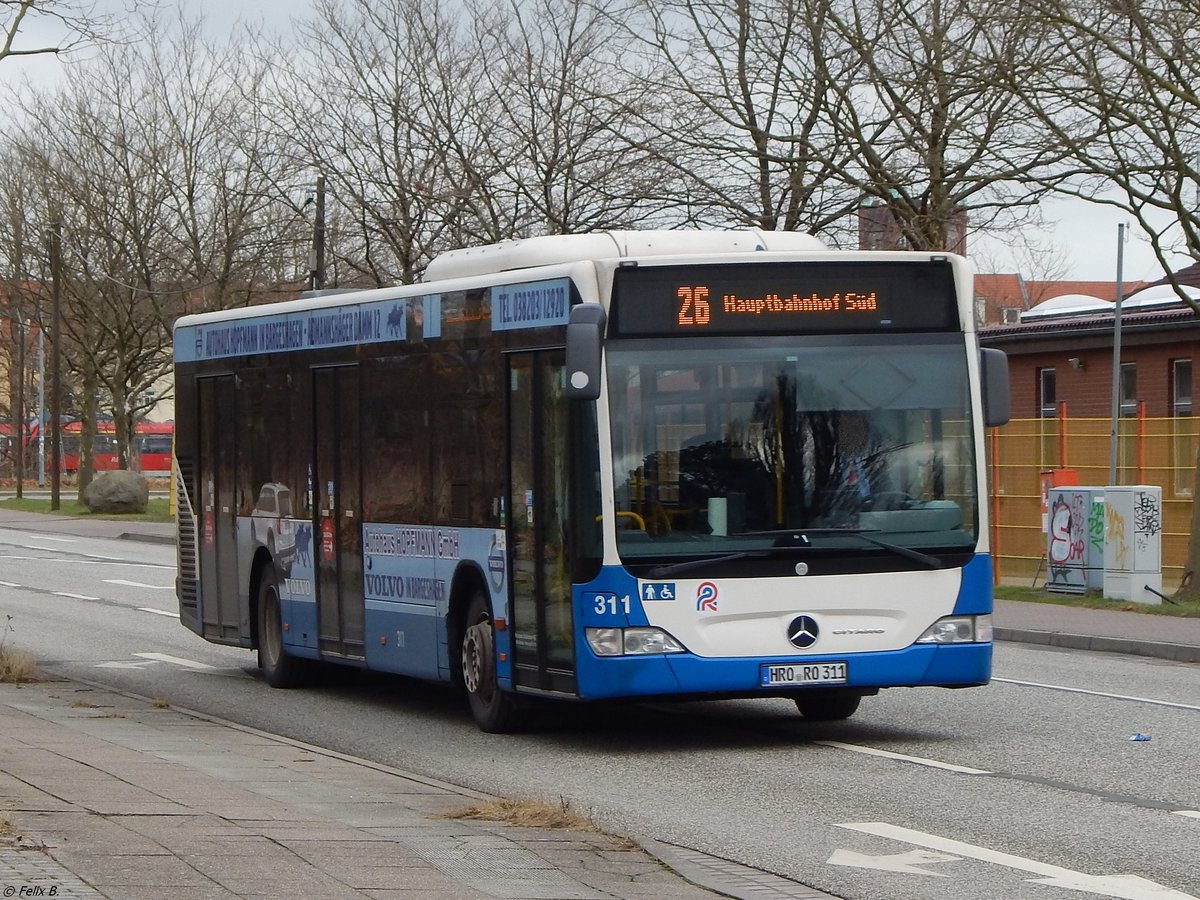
(116, 797)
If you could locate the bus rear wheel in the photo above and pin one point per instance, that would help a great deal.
(279, 668)
(828, 706)
(494, 711)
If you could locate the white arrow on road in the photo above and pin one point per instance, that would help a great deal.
(1124, 887)
(156, 657)
(908, 863)
(122, 665)
(175, 660)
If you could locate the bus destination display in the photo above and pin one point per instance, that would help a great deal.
(783, 298)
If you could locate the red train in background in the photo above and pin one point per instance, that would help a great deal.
(151, 448)
(151, 453)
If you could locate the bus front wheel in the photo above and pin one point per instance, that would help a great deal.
(494, 711)
(828, 706)
(279, 669)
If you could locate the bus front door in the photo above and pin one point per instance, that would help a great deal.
(337, 510)
(538, 453)
(220, 611)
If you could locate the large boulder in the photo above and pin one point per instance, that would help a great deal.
(117, 492)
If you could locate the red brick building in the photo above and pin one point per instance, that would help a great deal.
(1061, 351)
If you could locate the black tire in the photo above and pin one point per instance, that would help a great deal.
(494, 711)
(279, 669)
(827, 706)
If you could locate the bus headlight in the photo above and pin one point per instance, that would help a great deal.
(631, 641)
(958, 630)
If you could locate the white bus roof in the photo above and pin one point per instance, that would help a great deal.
(564, 248)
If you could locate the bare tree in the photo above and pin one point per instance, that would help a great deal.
(72, 24)
(933, 119)
(569, 145)
(1122, 98)
(144, 157)
(383, 119)
(735, 104)
(18, 304)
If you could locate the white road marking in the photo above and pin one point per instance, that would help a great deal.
(9, 584)
(73, 596)
(903, 757)
(159, 612)
(86, 560)
(175, 660)
(43, 537)
(1075, 690)
(1126, 887)
(121, 665)
(909, 863)
(1189, 813)
(139, 584)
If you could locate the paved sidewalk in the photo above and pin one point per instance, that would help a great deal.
(134, 801)
(1105, 630)
(89, 526)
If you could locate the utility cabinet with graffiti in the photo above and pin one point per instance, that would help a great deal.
(1133, 543)
(1105, 540)
(1075, 539)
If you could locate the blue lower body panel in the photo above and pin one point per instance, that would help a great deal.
(938, 665)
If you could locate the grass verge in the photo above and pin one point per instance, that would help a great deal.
(157, 510)
(1189, 609)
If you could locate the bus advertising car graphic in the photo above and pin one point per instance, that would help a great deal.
(706, 597)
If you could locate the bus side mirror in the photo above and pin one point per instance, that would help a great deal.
(585, 334)
(997, 400)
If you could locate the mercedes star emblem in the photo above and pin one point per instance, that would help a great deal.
(803, 631)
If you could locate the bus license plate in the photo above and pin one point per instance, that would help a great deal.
(802, 673)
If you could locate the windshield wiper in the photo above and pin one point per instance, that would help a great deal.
(801, 534)
(677, 568)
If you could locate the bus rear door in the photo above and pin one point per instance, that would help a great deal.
(337, 529)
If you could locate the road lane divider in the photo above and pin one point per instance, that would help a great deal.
(1075, 690)
(903, 757)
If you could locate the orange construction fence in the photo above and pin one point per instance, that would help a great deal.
(1149, 451)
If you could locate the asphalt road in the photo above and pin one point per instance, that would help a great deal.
(1029, 788)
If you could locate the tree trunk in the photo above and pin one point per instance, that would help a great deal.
(87, 433)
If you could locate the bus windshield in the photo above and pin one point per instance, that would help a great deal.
(833, 444)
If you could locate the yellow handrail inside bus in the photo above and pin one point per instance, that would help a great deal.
(625, 514)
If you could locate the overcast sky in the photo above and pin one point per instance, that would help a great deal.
(1087, 233)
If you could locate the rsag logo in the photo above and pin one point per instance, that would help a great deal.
(706, 597)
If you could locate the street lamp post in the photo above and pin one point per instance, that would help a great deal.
(56, 366)
(19, 407)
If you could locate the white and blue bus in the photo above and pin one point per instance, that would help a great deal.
(616, 465)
